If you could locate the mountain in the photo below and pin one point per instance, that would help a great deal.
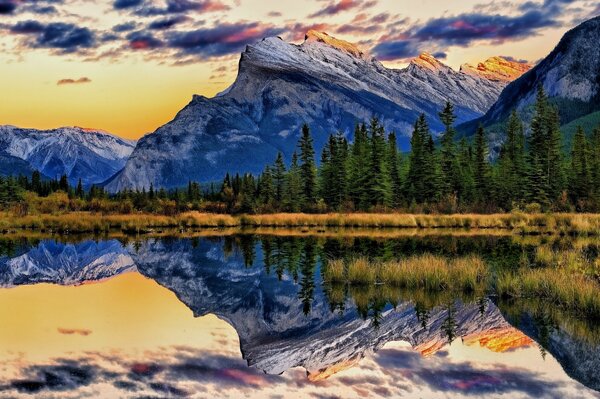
(498, 69)
(328, 83)
(91, 155)
(570, 75)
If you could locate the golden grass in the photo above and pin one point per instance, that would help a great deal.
(585, 224)
(429, 272)
(574, 292)
(561, 286)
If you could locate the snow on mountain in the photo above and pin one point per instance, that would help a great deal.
(325, 82)
(91, 155)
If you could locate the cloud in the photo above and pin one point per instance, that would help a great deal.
(184, 6)
(74, 331)
(142, 40)
(222, 40)
(336, 7)
(465, 377)
(462, 30)
(166, 23)
(394, 50)
(27, 27)
(122, 4)
(513, 59)
(125, 26)
(7, 6)
(62, 82)
(57, 35)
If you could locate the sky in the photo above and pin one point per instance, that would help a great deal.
(128, 66)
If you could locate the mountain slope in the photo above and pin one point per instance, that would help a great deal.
(570, 75)
(328, 83)
(91, 155)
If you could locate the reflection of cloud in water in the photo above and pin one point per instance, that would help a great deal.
(187, 372)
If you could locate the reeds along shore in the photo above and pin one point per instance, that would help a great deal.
(523, 223)
(557, 284)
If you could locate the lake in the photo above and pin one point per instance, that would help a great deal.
(241, 314)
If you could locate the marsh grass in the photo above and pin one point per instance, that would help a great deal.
(559, 287)
(562, 285)
(572, 224)
(429, 272)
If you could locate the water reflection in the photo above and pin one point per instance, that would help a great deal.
(270, 290)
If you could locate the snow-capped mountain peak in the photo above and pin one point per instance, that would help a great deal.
(89, 154)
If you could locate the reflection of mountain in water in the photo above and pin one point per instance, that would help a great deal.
(274, 299)
(65, 264)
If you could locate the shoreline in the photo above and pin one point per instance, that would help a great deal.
(513, 223)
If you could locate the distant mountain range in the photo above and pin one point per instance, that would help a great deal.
(90, 155)
(328, 83)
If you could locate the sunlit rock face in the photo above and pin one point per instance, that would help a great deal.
(327, 83)
(499, 339)
(87, 154)
(497, 69)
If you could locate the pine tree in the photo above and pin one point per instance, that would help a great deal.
(333, 171)
(63, 184)
(594, 153)
(580, 181)
(294, 186)
(432, 170)
(511, 163)
(394, 169)
(308, 172)
(358, 168)
(448, 157)
(248, 193)
(266, 190)
(467, 179)
(279, 179)
(415, 181)
(379, 177)
(481, 167)
(537, 157)
(36, 182)
(79, 191)
(554, 164)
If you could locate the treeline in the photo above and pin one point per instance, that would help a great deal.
(530, 173)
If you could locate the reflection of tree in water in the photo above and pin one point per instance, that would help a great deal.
(308, 264)
(12, 247)
(422, 313)
(545, 326)
(283, 254)
(449, 325)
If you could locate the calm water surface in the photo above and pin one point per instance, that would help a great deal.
(249, 316)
